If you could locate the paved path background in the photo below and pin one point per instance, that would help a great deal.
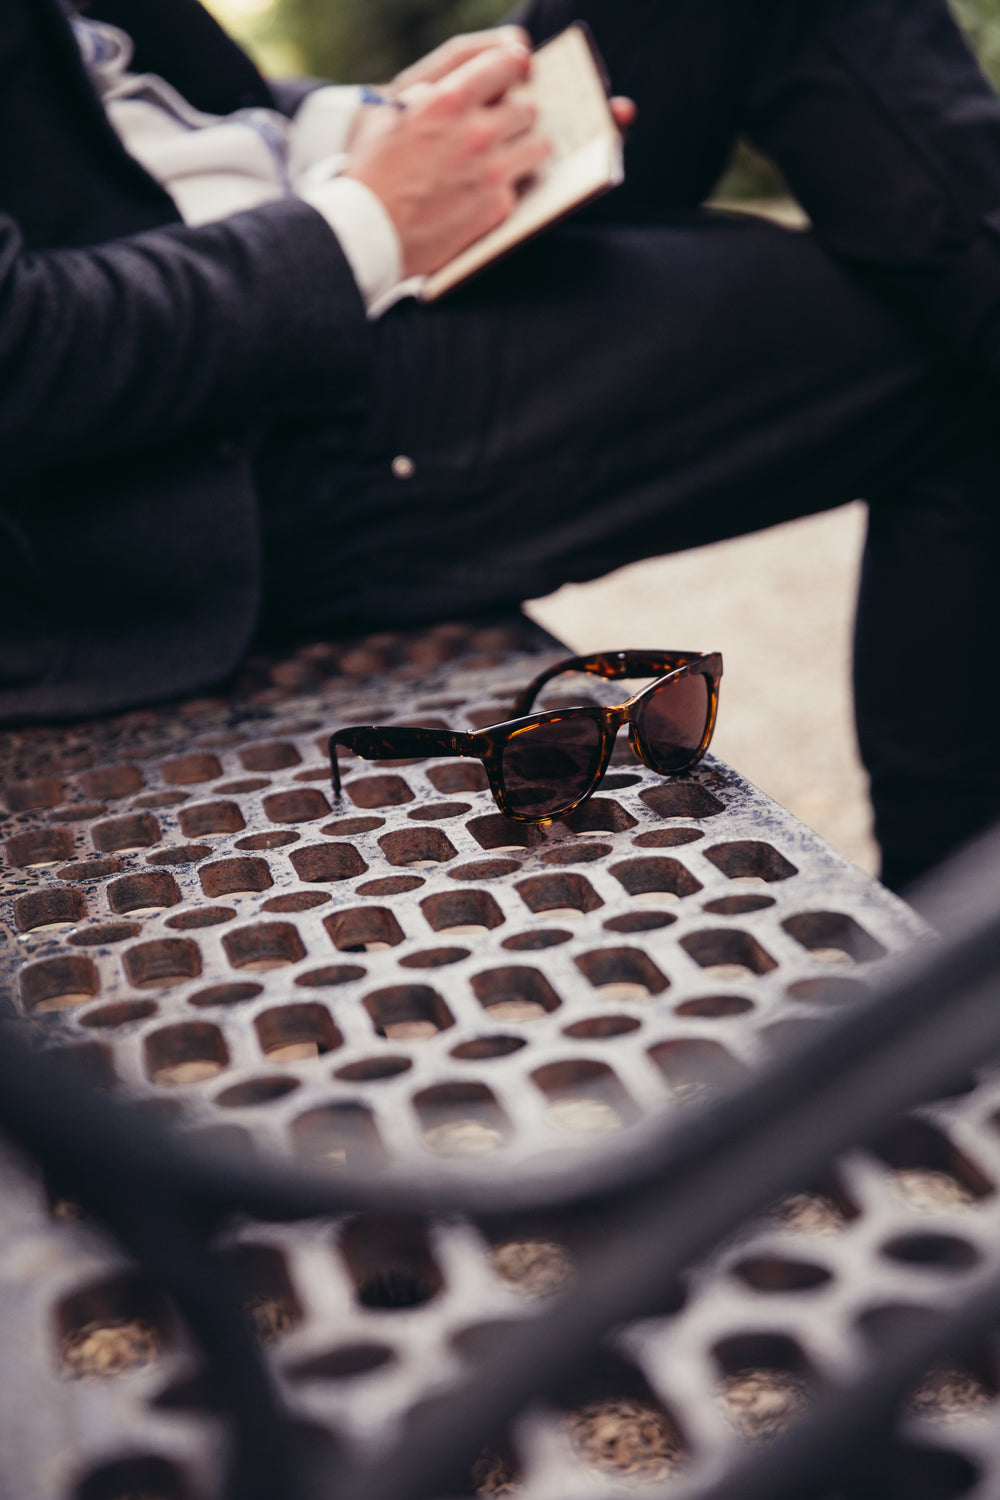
(780, 606)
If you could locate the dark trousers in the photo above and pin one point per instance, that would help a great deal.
(654, 377)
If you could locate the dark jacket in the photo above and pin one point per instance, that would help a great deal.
(138, 359)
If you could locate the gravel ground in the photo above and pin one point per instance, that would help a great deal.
(779, 605)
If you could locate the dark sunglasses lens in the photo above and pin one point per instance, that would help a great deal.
(671, 722)
(550, 766)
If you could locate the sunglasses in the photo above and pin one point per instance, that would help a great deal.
(544, 765)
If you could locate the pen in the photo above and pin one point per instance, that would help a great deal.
(376, 96)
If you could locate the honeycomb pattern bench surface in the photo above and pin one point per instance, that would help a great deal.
(191, 919)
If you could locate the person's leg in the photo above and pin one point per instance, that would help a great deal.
(550, 438)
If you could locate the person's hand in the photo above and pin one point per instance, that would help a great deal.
(448, 166)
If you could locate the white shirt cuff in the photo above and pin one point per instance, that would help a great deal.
(322, 125)
(367, 237)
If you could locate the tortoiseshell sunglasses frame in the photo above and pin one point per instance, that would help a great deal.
(389, 742)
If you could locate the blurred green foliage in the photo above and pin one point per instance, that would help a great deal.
(370, 40)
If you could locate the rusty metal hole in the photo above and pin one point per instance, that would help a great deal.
(242, 786)
(667, 838)
(315, 773)
(367, 929)
(254, 1091)
(747, 859)
(230, 877)
(270, 755)
(601, 1028)
(58, 983)
(433, 812)
(391, 885)
(350, 828)
(572, 853)
(737, 906)
(566, 894)
(39, 848)
(90, 869)
(153, 801)
(418, 848)
(147, 1478)
(31, 796)
(460, 776)
(304, 805)
(188, 1052)
(536, 1268)
(462, 913)
(373, 1069)
(584, 1096)
(345, 1363)
(122, 1013)
(639, 921)
(179, 854)
(715, 1007)
(327, 862)
(141, 894)
(263, 946)
(260, 1278)
(160, 964)
(832, 991)
(461, 1119)
(330, 975)
(130, 831)
(680, 799)
(599, 815)
(49, 911)
(378, 791)
(484, 869)
(833, 937)
(203, 916)
(110, 782)
(727, 953)
(79, 812)
(697, 1069)
(940, 1252)
(390, 1262)
(775, 1273)
(656, 878)
(104, 934)
(767, 1383)
(497, 833)
(189, 770)
(433, 958)
(485, 1048)
(203, 818)
(111, 1328)
(534, 942)
(293, 1033)
(622, 973)
(338, 1134)
(275, 839)
(514, 994)
(226, 994)
(408, 1012)
(296, 901)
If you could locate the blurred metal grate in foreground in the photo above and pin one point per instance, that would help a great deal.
(403, 983)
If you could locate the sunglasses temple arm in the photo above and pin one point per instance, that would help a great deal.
(373, 743)
(609, 665)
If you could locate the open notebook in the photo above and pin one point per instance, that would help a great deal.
(567, 88)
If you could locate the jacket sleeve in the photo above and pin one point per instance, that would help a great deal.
(174, 332)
